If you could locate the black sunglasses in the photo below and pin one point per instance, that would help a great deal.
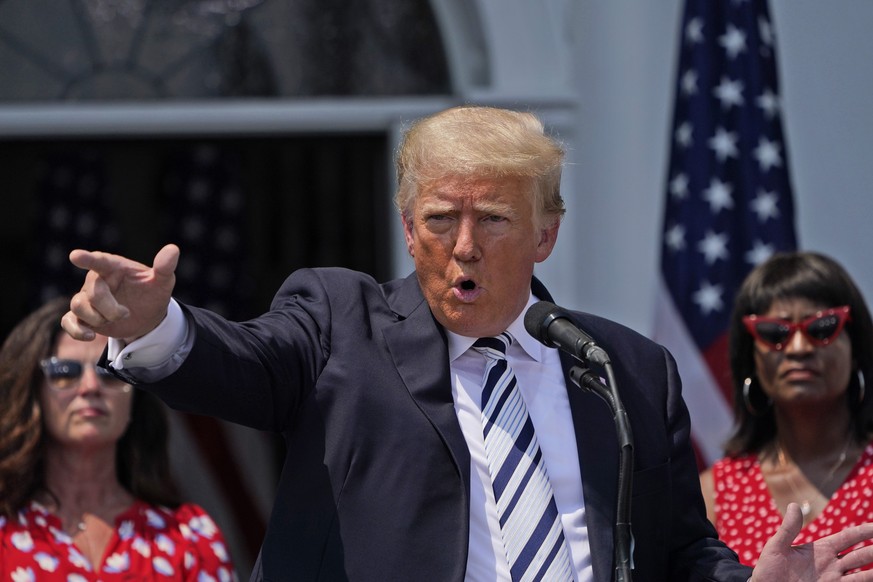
(820, 328)
(65, 375)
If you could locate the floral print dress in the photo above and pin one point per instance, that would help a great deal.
(746, 516)
(150, 543)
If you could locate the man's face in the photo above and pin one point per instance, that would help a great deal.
(475, 243)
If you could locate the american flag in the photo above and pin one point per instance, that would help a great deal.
(728, 201)
(203, 186)
(73, 212)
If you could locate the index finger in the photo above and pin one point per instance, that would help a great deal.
(97, 261)
(850, 536)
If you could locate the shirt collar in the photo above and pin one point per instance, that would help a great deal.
(458, 344)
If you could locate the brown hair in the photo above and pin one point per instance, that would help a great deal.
(471, 141)
(141, 457)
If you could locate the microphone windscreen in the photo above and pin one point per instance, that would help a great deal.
(537, 318)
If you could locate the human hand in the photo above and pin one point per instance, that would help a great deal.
(120, 298)
(825, 560)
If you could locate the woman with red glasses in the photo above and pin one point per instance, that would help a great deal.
(801, 349)
(85, 488)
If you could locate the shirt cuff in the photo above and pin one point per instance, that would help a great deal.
(155, 348)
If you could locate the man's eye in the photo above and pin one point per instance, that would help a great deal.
(495, 218)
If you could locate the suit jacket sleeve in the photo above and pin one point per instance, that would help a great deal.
(697, 554)
(256, 372)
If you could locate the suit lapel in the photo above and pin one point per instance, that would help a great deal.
(597, 446)
(420, 353)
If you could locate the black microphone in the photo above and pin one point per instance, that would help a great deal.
(553, 327)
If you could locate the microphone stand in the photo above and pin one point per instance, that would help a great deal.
(622, 535)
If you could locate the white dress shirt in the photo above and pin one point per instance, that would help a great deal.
(541, 383)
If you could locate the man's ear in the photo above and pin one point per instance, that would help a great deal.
(408, 234)
(548, 238)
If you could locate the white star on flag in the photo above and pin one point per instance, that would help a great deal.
(718, 195)
(689, 83)
(759, 253)
(765, 205)
(730, 93)
(679, 186)
(708, 297)
(714, 247)
(683, 135)
(734, 41)
(694, 31)
(767, 154)
(769, 103)
(724, 143)
(676, 237)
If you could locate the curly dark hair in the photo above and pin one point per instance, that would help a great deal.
(798, 275)
(141, 456)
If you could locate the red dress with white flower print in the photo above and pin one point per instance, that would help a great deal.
(746, 516)
(149, 543)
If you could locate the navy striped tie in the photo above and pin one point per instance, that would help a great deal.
(529, 521)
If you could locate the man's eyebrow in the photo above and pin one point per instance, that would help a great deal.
(436, 207)
(491, 207)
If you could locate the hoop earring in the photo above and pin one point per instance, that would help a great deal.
(747, 400)
(862, 388)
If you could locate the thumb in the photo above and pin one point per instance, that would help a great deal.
(790, 527)
(776, 553)
(166, 260)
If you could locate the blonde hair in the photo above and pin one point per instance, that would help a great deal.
(473, 141)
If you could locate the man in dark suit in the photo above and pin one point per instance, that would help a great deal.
(379, 392)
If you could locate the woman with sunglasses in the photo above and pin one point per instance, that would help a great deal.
(801, 347)
(85, 487)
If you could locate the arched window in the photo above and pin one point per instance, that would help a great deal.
(143, 50)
